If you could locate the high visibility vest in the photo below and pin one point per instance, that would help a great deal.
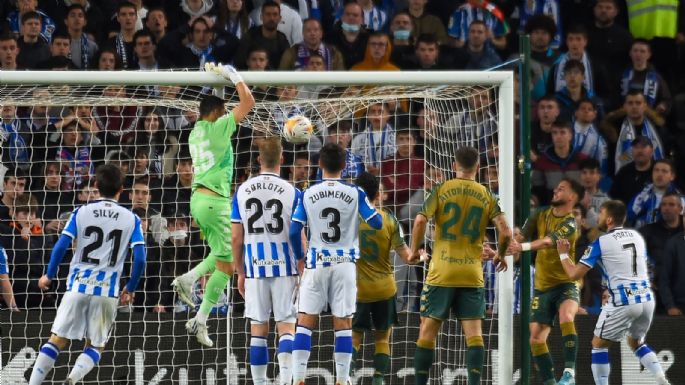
(653, 18)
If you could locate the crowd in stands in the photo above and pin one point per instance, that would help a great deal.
(608, 111)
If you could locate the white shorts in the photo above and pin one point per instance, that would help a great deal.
(615, 321)
(83, 315)
(262, 295)
(333, 285)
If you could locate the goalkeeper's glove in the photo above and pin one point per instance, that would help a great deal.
(227, 71)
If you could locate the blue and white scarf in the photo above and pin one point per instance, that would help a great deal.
(205, 55)
(588, 141)
(624, 149)
(16, 143)
(375, 19)
(559, 81)
(303, 54)
(650, 88)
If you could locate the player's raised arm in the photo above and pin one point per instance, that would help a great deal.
(368, 212)
(246, 100)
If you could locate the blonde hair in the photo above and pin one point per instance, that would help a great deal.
(270, 150)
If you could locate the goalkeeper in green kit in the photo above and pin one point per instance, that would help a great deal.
(210, 204)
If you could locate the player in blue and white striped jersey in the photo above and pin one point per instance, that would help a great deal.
(101, 229)
(266, 264)
(621, 254)
(5, 283)
(332, 209)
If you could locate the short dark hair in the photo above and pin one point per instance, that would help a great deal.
(143, 33)
(126, 4)
(200, 20)
(543, 22)
(109, 179)
(574, 64)
(405, 131)
(586, 101)
(271, 3)
(31, 15)
(16, 173)
(467, 157)
(478, 22)
(562, 123)
(73, 7)
(427, 38)
(144, 180)
(643, 42)
(616, 210)
(667, 162)
(635, 92)
(369, 183)
(184, 155)
(672, 194)
(576, 187)
(589, 164)
(332, 157)
(61, 34)
(577, 29)
(209, 104)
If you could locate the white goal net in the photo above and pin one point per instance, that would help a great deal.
(56, 130)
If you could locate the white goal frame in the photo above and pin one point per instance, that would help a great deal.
(504, 80)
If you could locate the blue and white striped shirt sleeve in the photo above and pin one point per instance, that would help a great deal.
(3, 261)
(235, 210)
(70, 229)
(592, 254)
(137, 237)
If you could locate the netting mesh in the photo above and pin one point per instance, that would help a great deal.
(53, 137)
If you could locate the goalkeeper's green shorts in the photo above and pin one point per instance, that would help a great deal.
(213, 215)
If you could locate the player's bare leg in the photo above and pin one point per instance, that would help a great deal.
(302, 346)
(538, 345)
(648, 359)
(46, 358)
(425, 348)
(343, 349)
(286, 337)
(569, 337)
(85, 362)
(215, 286)
(475, 349)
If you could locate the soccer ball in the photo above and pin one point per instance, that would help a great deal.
(298, 129)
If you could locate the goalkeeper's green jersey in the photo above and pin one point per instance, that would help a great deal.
(212, 153)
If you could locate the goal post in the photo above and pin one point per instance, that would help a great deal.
(443, 89)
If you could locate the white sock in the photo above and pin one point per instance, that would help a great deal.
(343, 355)
(85, 362)
(302, 348)
(285, 359)
(202, 317)
(44, 363)
(600, 366)
(649, 360)
(259, 359)
(571, 371)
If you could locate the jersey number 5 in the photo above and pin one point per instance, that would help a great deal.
(114, 236)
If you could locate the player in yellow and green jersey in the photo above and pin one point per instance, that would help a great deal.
(376, 288)
(461, 209)
(555, 293)
(210, 203)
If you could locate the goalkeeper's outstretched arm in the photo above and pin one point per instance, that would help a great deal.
(246, 100)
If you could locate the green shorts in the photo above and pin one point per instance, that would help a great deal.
(545, 304)
(465, 302)
(379, 315)
(213, 215)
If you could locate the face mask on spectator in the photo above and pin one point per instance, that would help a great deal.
(178, 234)
(401, 34)
(350, 27)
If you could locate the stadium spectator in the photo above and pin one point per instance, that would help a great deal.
(426, 55)
(642, 76)
(233, 18)
(591, 288)
(297, 56)
(576, 41)
(377, 141)
(426, 22)
(32, 48)
(176, 256)
(481, 54)
(658, 233)
(122, 41)
(83, 48)
(177, 187)
(574, 90)
(527, 11)
(341, 133)
(14, 187)
(265, 36)
(588, 140)
(300, 170)
(290, 23)
(116, 123)
(377, 56)
(672, 276)
(541, 29)
(375, 17)
(9, 50)
(141, 197)
(203, 47)
(541, 131)
(644, 207)
(58, 10)
(52, 201)
(149, 286)
(156, 22)
(107, 59)
(634, 176)
(145, 49)
(634, 119)
(350, 35)
(557, 162)
(14, 19)
(402, 171)
(590, 176)
(460, 23)
(77, 164)
(183, 12)
(15, 152)
(162, 144)
(141, 12)
(87, 193)
(402, 34)
(38, 127)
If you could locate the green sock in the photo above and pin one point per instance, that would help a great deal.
(570, 340)
(215, 287)
(545, 365)
(381, 364)
(423, 360)
(208, 265)
(474, 363)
